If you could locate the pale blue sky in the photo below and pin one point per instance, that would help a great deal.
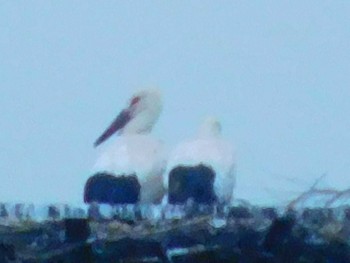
(276, 73)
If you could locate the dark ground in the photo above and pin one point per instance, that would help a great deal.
(248, 235)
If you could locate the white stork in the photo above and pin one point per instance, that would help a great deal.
(201, 169)
(130, 169)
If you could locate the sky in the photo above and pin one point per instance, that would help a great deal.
(276, 74)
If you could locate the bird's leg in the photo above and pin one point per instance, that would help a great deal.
(138, 212)
(117, 212)
(190, 208)
(177, 211)
(219, 218)
(129, 212)
(221, 209)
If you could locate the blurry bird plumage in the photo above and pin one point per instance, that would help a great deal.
(204, 166)
(134, 153)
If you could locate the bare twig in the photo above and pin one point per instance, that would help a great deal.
(306, 195)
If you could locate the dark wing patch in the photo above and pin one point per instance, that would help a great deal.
(122, 119)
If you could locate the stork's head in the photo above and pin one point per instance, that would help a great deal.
(210, 127)
(148, 100)
(138, 117)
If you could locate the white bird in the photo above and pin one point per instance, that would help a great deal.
(204, 166)
(133, 164)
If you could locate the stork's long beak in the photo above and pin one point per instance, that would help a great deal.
(120, 121)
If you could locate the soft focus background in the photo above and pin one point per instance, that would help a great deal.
(276, 73)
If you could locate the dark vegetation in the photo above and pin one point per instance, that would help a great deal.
(315, 227)
(249, 234)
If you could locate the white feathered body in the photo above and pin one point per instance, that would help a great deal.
(137, 154)
(135, 151)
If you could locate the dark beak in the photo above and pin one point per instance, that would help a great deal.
(122, 119)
